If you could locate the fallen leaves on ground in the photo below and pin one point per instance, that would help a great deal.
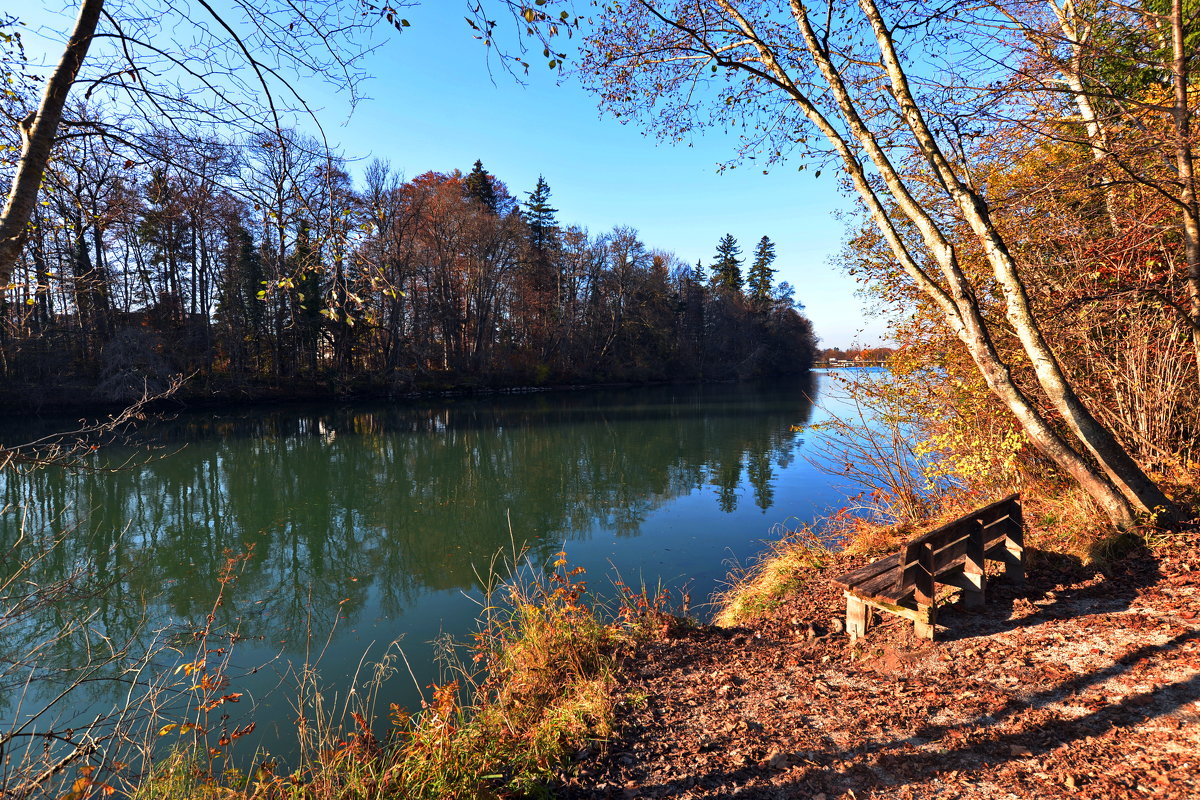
(1078, 684)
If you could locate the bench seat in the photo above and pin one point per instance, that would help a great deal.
(904, 583)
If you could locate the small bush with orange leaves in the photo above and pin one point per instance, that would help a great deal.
(539, 691)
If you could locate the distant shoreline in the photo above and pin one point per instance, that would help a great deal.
(23, 402)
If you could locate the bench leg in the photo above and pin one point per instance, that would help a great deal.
(1014, 548)
(1014, 563)
(974, 590)
(858, 617)
(974, 576)
(924, 593)
(925, 622)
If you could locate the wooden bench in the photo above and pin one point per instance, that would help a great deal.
(904, 583)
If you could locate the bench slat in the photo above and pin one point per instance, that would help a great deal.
(995, 536)
(856, 577)
(884, 585)
(989, 513)
(951, 555)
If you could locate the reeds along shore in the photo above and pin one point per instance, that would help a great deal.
(534, 688)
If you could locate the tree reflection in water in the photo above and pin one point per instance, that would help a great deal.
(376, 511)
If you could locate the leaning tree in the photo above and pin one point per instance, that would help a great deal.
(845, 82)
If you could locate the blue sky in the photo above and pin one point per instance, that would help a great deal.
(434, 105)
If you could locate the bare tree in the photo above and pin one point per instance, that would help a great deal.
(842, 73)
(240, 69)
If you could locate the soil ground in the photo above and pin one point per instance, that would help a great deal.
(1079, 684)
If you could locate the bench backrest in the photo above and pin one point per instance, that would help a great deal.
(925, 557)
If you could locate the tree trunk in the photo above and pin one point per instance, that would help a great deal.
(1185, 165)
(38, 131)
(1121, 469)
(1117, 498)
(1097, 135)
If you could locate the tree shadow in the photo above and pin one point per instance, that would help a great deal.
(896, 763)
(1057, 586)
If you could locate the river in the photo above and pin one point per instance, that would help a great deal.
(353, 526)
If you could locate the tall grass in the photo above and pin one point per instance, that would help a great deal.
(775, 575)
(533, 687)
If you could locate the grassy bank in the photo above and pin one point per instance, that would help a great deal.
(533, 691)
(1060, 524)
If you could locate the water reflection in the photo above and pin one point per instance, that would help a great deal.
(386, 512)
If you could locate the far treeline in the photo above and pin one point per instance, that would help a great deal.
(873, 355)
(252, 266)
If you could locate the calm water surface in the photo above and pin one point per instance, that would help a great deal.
(369, 523)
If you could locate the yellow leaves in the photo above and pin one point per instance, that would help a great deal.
(85, 784)
(190, 667)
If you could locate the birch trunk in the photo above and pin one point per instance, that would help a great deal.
(1121, 469)
(38, 132)
(959, 305)
(1115, 489)
(1186, 167)
(1076, 34)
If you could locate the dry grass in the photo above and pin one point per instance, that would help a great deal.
(1068, 522)
(776, 574)
(534, 688)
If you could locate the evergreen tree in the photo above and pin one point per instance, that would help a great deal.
(252, 277)
(479, 186)
(239, 309)
(307, 295)
(759, 278)
(542, 269)
(540, 217)
(698, 273)
(727, 267)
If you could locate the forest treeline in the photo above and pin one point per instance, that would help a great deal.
(254, 266)
(856, 354)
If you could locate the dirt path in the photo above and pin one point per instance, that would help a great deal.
(1078, 685)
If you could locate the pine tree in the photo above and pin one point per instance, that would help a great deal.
(308, 298)
(698, 274)
(540, 217)
(541, 259)
(479, 186)
(239, 304)
(727, 267)
(240, 311)
(759, 278)
(252, 278)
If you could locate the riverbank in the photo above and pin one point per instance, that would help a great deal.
(194, 395)
(1084, 683)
